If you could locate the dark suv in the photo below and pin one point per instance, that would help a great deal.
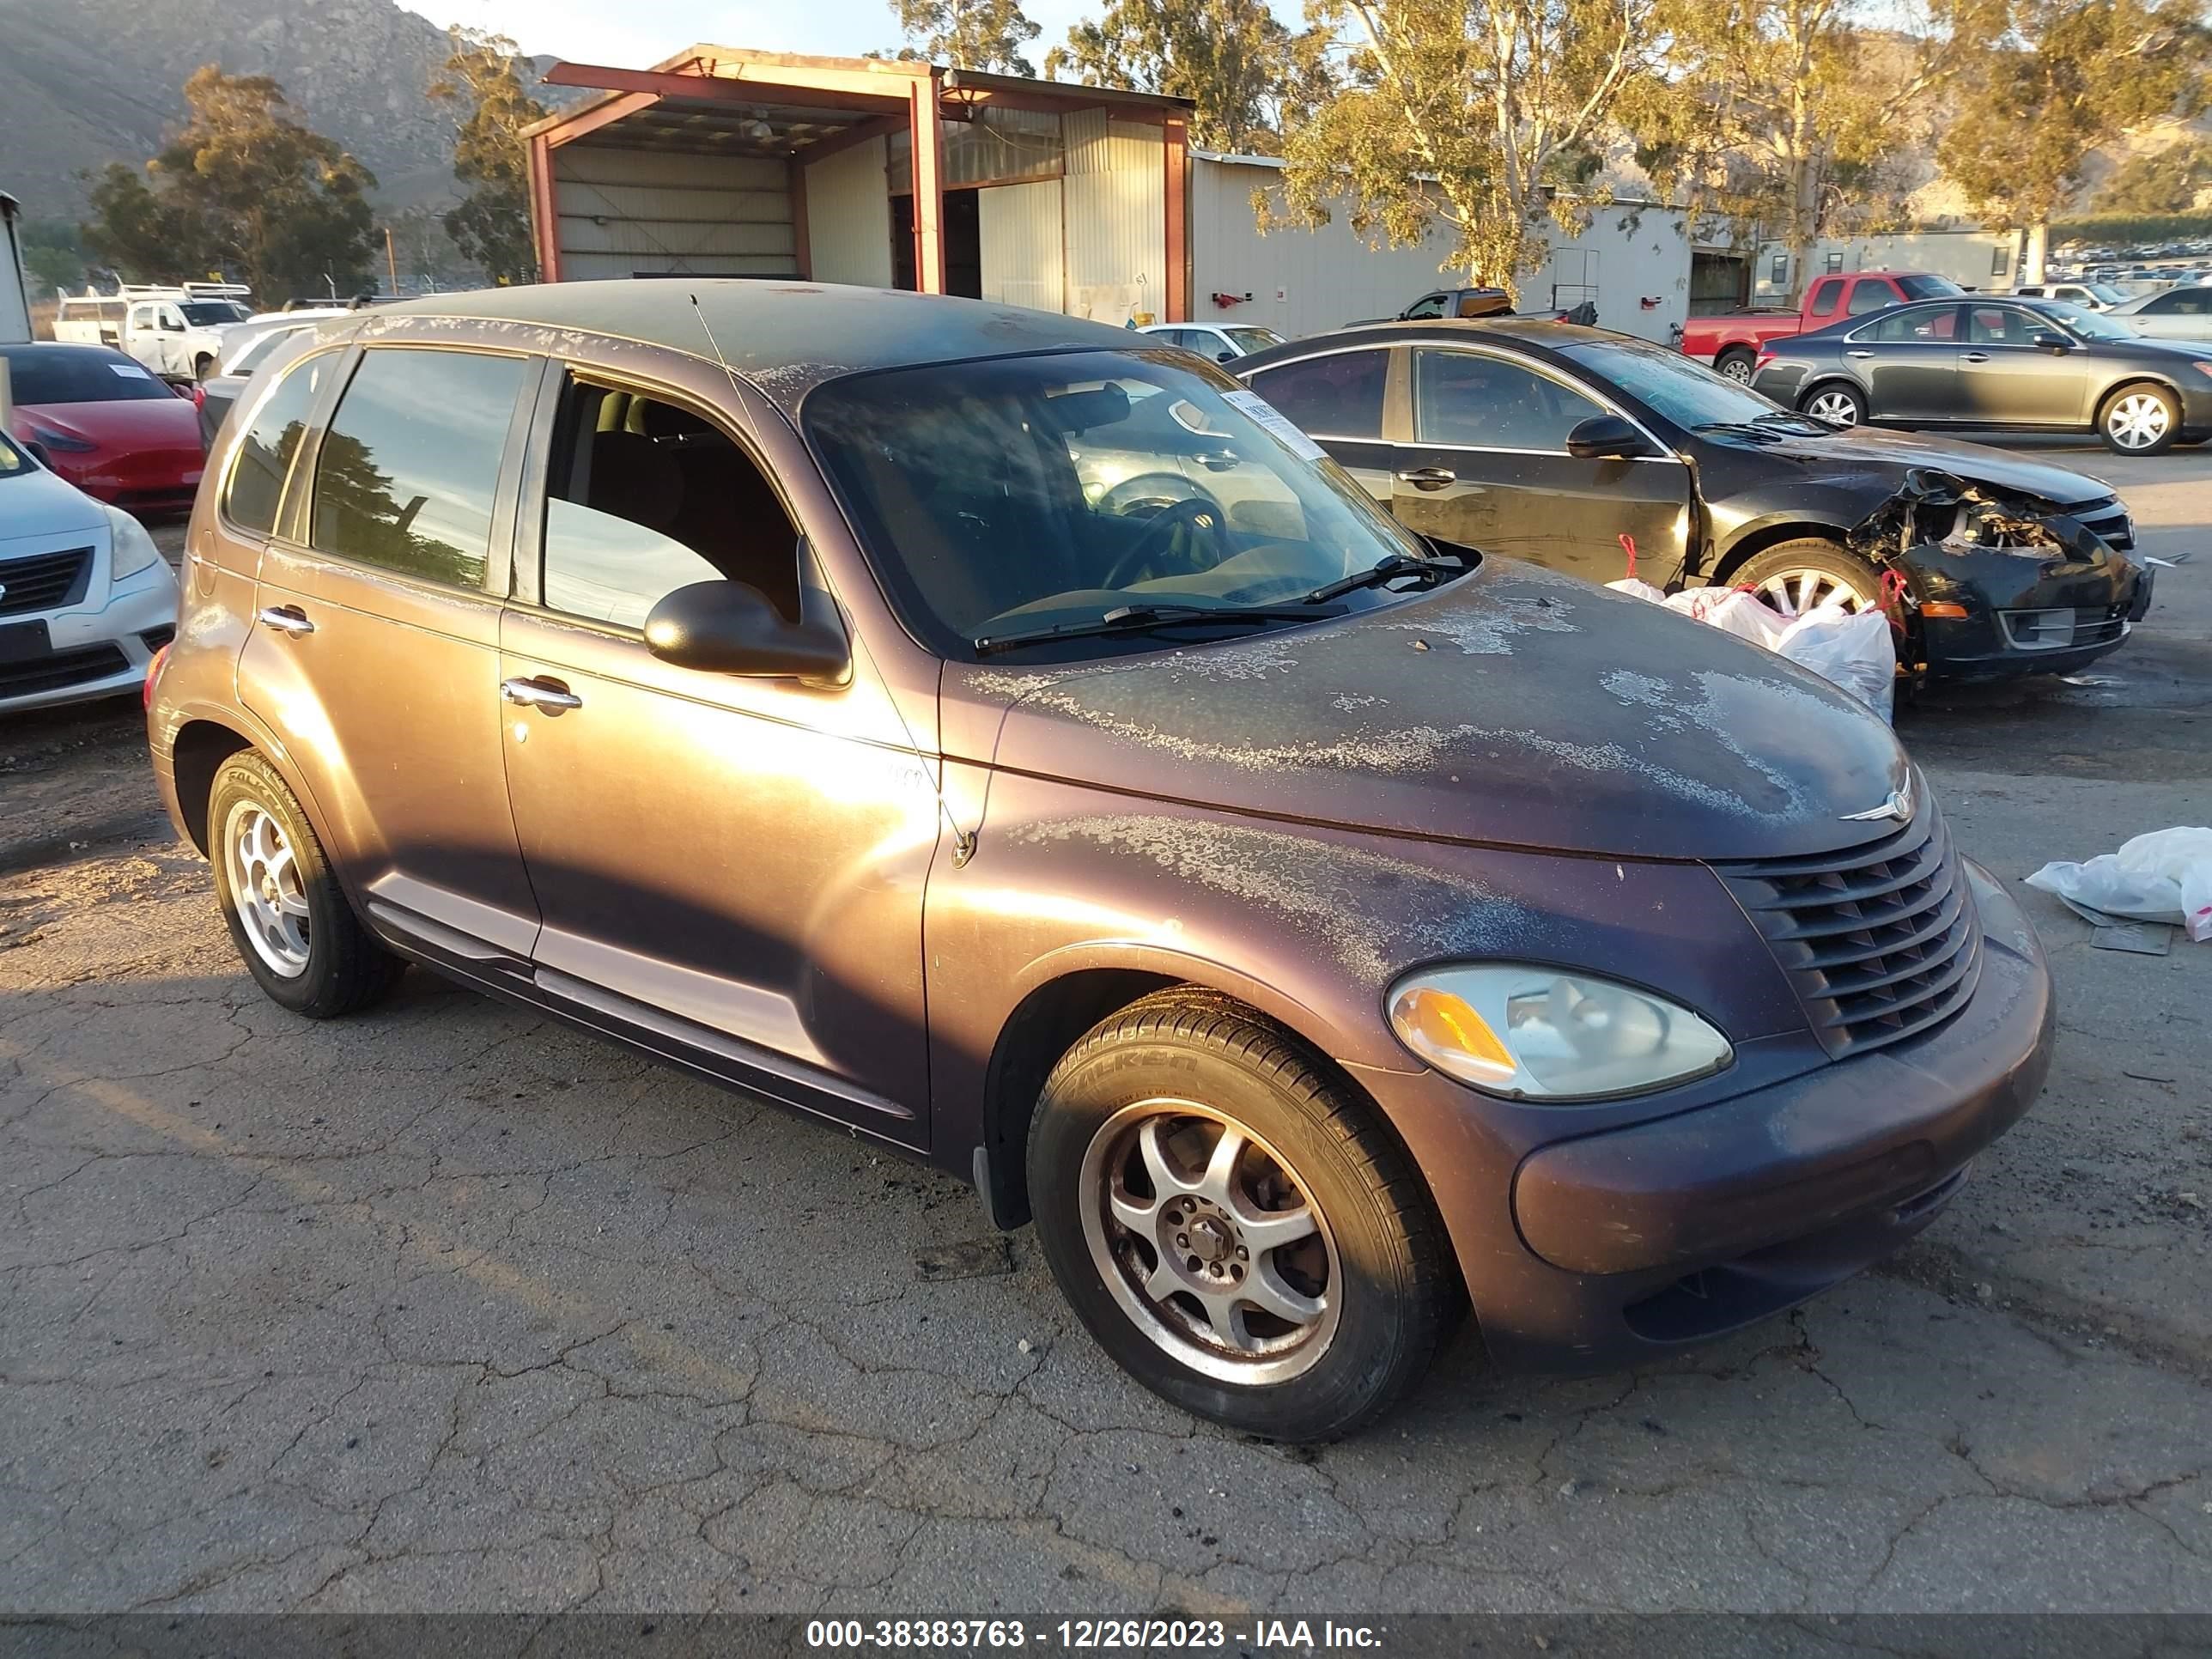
(1316, 929)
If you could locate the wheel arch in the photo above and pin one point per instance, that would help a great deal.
(1072, 990)
(2128, 383)
(1822, 379)
(1756, 539)
(196, 753)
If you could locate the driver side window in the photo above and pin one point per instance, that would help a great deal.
(1487, 402)
(645, 496)
(1431, 305)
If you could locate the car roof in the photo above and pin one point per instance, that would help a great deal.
(783, 335)
(33, 350)
(1539, 332)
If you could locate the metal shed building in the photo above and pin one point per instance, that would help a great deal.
(729, 163)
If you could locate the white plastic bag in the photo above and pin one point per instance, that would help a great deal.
(1732, 612)
(1639, 590)
(1854, 650)
(2163, 876)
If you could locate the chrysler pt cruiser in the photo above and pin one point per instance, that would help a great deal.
(1017, 742)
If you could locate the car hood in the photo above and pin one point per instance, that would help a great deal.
(1514, 705)
(123, 423)
(1861, 450)
(37, 506)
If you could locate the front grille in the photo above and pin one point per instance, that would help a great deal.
(2061, 629)
(2110, 520)
(1880, 942)
(45, 581)
(60, 670)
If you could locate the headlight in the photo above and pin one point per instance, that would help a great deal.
(1522, 1029)
(133, 549)
(2205, 369)
(62, 442)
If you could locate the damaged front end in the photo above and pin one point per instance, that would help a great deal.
(1998, 583)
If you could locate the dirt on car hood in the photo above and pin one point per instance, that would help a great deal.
(1514, 705)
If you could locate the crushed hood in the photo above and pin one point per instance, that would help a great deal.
(1857, 448)
(1513, 706)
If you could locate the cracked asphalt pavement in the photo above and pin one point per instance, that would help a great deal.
(450, 1308)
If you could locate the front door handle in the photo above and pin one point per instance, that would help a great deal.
(1428, 477)
(1859, 354)
(1976, 357)
(287, 619)
(540, 694)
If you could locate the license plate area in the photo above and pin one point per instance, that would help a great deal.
(24, 642)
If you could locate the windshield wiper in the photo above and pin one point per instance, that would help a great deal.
(1764, 434)
(1432, 570)
(1138, 618)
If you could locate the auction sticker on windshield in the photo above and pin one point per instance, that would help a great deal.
(1276, 422)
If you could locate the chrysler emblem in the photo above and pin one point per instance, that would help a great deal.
(1898, 806)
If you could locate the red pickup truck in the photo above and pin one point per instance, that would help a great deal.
(1731, 343)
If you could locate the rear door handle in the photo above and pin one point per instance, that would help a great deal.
(287, 619)
(1428, 477)
(1976, 357)
(1859, 354)
(540, 694)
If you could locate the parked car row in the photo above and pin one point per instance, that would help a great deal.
(1251, 815)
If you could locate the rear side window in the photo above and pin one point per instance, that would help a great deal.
(407, 474)
(1465, 398)
(264, 454)
(1871, 296)
(1825, 292)
(1916, 326)
(1336, 396)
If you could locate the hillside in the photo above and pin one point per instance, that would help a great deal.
(90, 82)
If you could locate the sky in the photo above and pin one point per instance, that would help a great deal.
(634, 35)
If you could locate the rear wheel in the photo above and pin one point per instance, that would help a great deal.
(1233, 1225)
(1836, 404)
(2139, 420)
(1796, 577)
(203, 366)
(1737, 363)
(290, 919)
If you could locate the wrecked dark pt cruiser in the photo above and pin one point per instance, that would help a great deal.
(1323, 934)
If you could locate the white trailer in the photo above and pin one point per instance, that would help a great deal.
(1632, 260)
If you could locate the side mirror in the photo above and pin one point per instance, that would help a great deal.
(2046, 342)
(1225, 356)
(732, 627)
(172, 325)
(1608, 438)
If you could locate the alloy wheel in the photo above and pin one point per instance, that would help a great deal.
(2137, 421)
(1738, 369)
(1794, 592)
(1837, 408)
(265, 888)
(1210, 1242)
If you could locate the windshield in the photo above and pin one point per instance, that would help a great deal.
(1249, 340)
(2089, 324)
(1030, 492)
(77, 374)
(210, 313)
(2107, 293)
(1677, 388)
(1929, 287)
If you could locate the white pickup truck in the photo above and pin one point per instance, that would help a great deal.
(177, 333)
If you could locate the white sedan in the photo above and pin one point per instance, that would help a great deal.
(2172, 313)
(85, 600)
(1223, 342)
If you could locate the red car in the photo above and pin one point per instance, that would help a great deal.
(106, 425)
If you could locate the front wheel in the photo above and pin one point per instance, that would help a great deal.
(2139, 420)
(1837, 404)
(1797, 577)
(1233, 1225)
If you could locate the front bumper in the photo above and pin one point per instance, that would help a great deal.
(2007, 596)
(101, 652)
(1619, 1247)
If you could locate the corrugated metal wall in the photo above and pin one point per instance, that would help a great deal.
(1021, 236)
(1116, 209)
(848, 217)
(1307, 281)
(627, 211)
